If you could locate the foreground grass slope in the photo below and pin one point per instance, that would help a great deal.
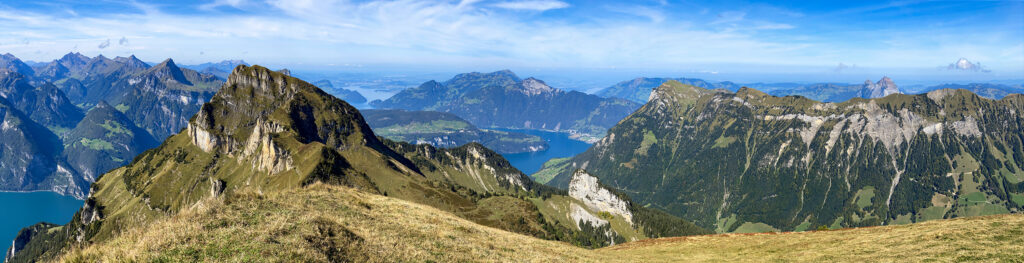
(321, 223)
(318, 223)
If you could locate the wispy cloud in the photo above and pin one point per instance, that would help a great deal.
(469, 32)
(219, 3)
(533, 5)
(653, 14)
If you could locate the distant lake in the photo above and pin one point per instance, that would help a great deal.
(19, 210)
(559, 146)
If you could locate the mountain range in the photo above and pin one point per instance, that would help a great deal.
(97, 114)
(639, 89)
(751, 162)
(445, 130)
(348, 95)
(219, 69)
(295, 174)
(267, 132)
(503, 100)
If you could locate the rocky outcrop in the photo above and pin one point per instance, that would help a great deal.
(882, 88)
(587, 189)
(533, 87)
(580, 215)
(23, 237)
(264, 153)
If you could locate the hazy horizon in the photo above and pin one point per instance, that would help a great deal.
(733, 39)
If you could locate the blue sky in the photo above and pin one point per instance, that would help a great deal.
(685, 36)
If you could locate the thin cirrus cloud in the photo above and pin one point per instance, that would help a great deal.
(532, 5)
(493, 34)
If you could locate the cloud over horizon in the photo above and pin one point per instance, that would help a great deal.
(539, 33)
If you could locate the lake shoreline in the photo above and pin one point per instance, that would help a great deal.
(40, 191)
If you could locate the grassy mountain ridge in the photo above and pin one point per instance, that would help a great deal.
(751, 162)
(639, 89)
(323, 223)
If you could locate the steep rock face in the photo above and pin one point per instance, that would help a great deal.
(159, 99)
(10, 63)
(159, 110)
(45, 104)
(105, 139)
(23, 237)
(882, 88)
(725, 160)
(30, 157)
(586, 188)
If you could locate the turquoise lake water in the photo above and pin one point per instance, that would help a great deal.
(560, 145)
(18, 210)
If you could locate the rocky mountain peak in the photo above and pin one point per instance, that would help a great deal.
(9, 62)
(673, 92)
(274, 102)
(882, 88)
(73, 58)
(262, 79)
(167, 70)
(532, 86)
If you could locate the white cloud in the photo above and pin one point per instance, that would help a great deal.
(540, 5)
(773, 26)
(422, 32)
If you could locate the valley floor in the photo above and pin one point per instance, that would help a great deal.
(324, 223)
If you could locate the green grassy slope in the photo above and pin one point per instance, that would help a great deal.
(323, 223)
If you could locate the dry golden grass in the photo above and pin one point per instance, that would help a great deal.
(324, 223)
(311, 225)
(991, 238)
